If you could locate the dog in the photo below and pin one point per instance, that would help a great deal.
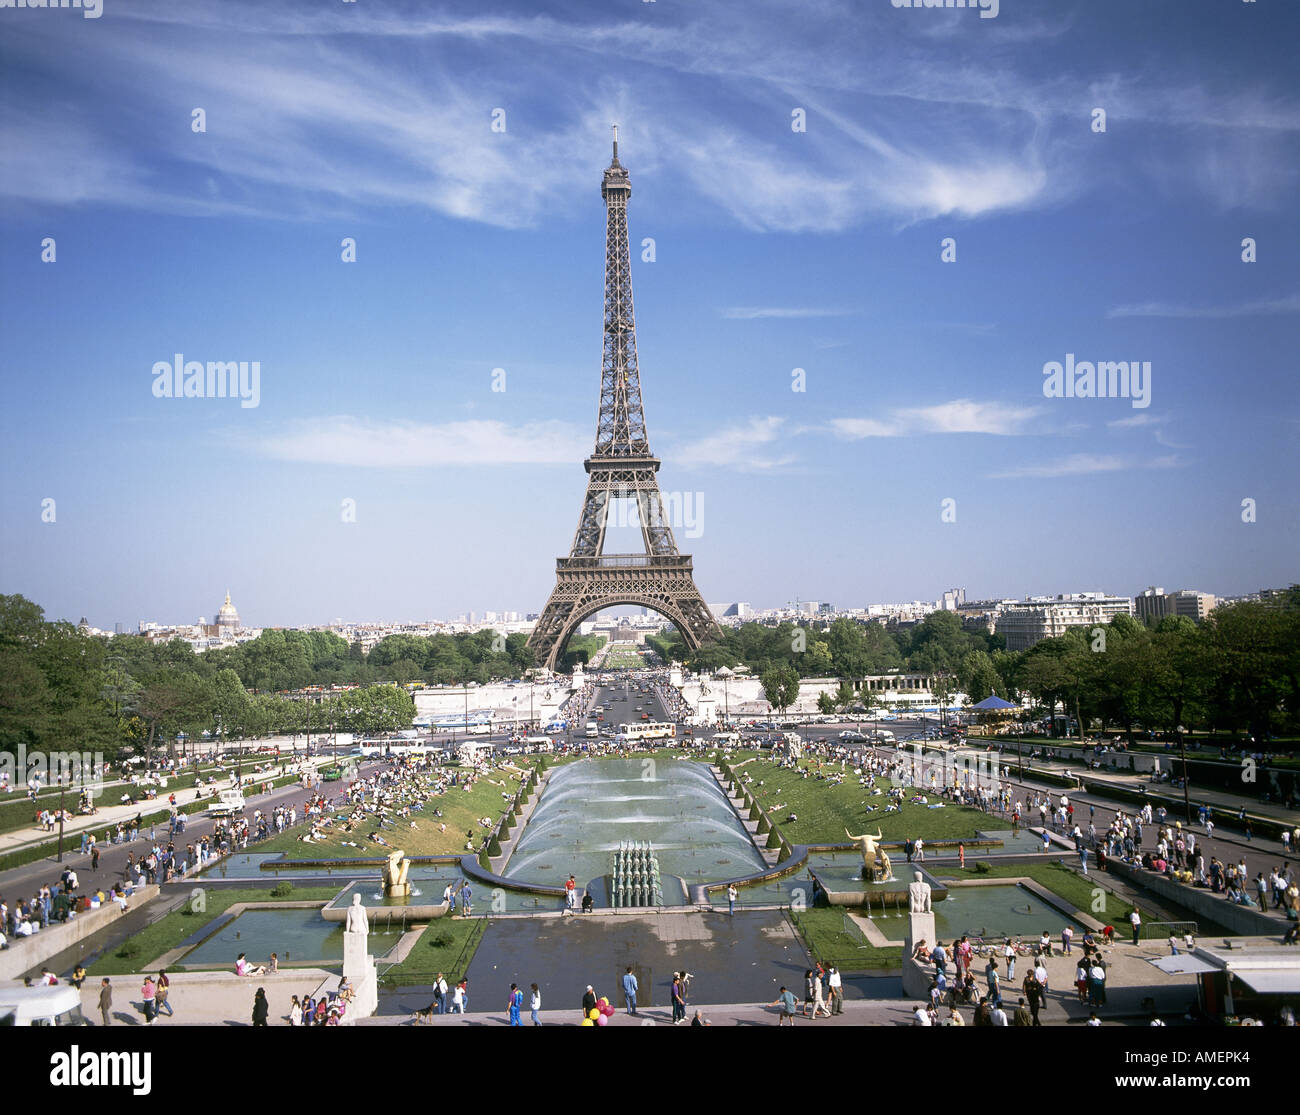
(425, 1015)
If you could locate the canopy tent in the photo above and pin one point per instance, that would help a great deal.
(992, 703)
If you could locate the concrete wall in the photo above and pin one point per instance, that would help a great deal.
(1244, 920)
(24, 955)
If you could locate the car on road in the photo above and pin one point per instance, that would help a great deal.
(855, 736)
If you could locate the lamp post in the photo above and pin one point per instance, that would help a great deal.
(1182, 750)
(61, 791)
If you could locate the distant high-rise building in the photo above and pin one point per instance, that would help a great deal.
(951, 600)
(1153, 604)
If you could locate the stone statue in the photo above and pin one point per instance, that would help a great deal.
(876, 867)
(395, 870)
(919, 895)
(357, 922)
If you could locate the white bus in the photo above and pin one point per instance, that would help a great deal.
(631, 733)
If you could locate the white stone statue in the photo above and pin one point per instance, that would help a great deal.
(919, 895)
(357, 922)
(395, 870)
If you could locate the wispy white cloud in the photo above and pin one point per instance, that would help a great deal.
(960, 416)
(1136, 420)
(1290, 304)
(745, 446)
(361, 443)
(1084, 464)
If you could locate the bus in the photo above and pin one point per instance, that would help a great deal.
(631, 733)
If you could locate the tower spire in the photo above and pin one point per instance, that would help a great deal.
(615, 163)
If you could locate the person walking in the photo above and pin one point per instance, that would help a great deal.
(679, 999)
(630, 988)
(261, 1008)
(819, 1002)
(440, 993)
(535, 1004)
(515, 1004)
(149, 993)
(1135, 919)
(162, 989)
(94, 858)
(1021, 1017)
(836, 990)
(732, 892)
(961, 855)
(106, 1001)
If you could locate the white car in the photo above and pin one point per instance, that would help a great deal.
(852, 735)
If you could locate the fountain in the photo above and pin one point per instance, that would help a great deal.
(396, 868)
(634, 875)
(876, 867)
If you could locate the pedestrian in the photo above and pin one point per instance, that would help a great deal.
(261, 1008)
(1135, 919)
(1022, 1017)
(785, 1000)
(1067, 938)
(163, 989)
(961, 855)
(514, 1004)
(535, 1004)
(1009, 955)
(836, 990)
(731, 899)
(106, 1001)
(630, 988)
(149, 994)
(679, 999)
(94, 857)
(440, 993)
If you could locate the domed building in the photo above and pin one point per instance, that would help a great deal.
(227, 618)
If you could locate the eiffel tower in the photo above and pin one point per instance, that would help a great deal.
(620, 467)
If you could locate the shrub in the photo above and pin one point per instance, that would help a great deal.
(129, 950)
(981, 867)
(282, 890)
(754, 812)
(774, 839)
(484, 862)
(441, 941)
(494, 846)
(763, 824)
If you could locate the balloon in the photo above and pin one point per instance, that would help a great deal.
(594, 1013)
(603, 1020)
(608, 1009)
(588, 1022)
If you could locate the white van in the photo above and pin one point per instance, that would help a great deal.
(40, 1006)
(726, 739)
(592, 729)
(228, 803)
(537, 743)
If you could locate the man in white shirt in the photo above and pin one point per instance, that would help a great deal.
(998, 1015)
(837, 990)
(1135, 920)
(921, 1016)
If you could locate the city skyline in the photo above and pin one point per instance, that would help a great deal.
(799, 189)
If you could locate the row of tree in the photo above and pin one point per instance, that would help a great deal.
(1237, 671)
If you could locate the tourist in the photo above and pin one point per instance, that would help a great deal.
(1093, 1020)
(983, 1014)
(1009, 955)
(244, 968)
(1081, 977)
(991, 980)
(589, 1001)
(1135, 919)
(148, 993)
(699, 1020)
(515, 1002)
(440, 993)
(535, 1004)
(1097, 983)
(463, 989)
(106, 1001)
(295, 1012)
(679, 997)
(785, 1000)
(819, 1002)
(961, 855)
(630, 988)
(954, 1017)
(921, 1016)
(836, 985)
(1067, 938)
(261, 1008)
(1022, 1017)
(731, 899)
(163, 988)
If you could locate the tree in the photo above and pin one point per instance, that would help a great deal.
(825, 703)
(780, 687)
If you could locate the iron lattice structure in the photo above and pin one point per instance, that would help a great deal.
(620, 467)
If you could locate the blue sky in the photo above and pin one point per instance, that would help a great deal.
(774, 249)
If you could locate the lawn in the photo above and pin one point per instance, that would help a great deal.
(831, 939)
(825, 811)
(1060, 880)
(446, 946)
(167, 933)
(460, 808)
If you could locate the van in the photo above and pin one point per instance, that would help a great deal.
(228, 803)
(592, 729)
(726, 739)
(537, 743)
(40, 1006)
